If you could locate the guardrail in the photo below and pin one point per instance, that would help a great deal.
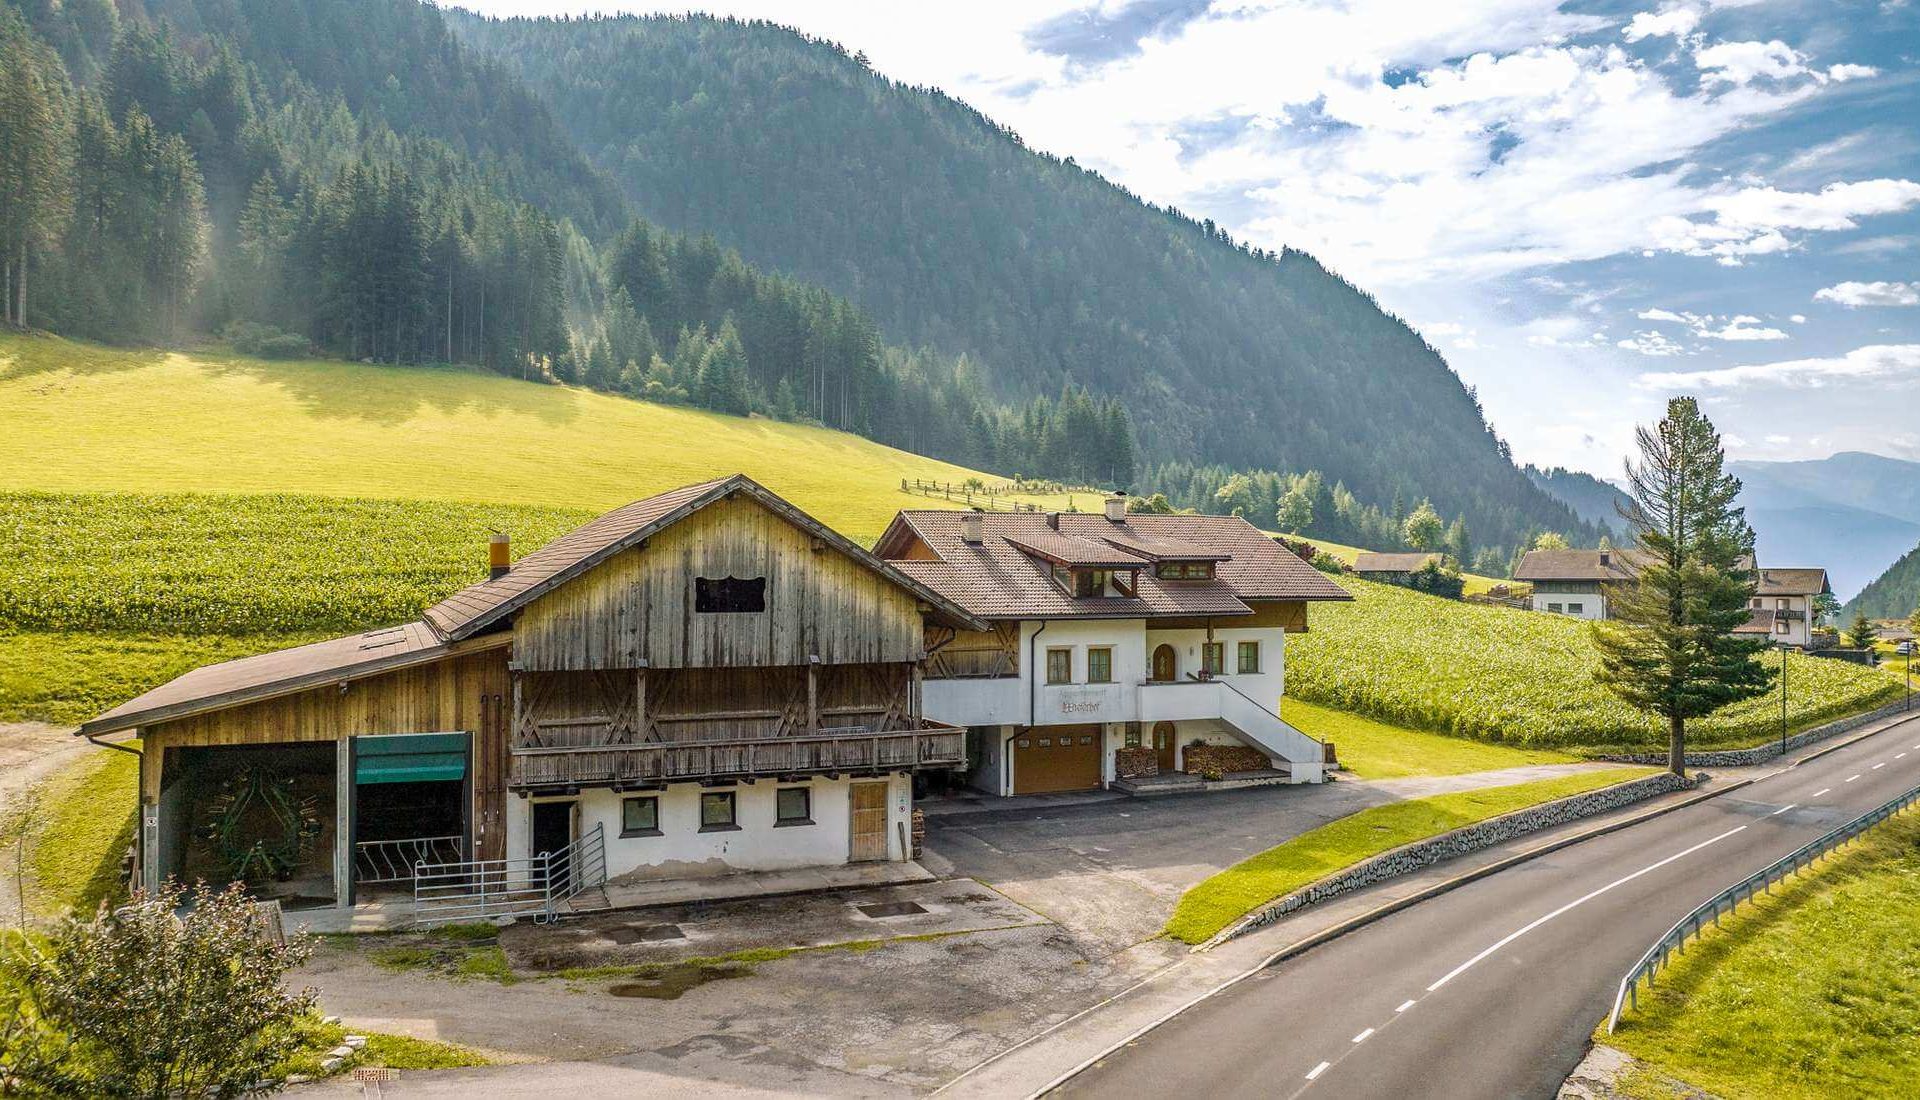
(1689, 926)
(479, 889)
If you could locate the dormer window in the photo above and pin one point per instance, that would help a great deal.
(1083, 583)
(1184, 570)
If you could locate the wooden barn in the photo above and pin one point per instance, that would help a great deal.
(702, 682)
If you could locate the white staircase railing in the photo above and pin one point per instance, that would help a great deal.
(1305, 755)
(536, 886)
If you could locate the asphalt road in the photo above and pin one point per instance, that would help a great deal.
(1492, 990)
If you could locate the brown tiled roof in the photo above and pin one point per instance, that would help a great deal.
(1575, 565)
(1793, 582)
(479, 606)
(1067, 550)
(997, 580)
(1371, 562)
(1759, 622)
(229, 683)
(1162, 547)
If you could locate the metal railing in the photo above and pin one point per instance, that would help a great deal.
(1689, 926)
(536, 886)
(387, 861)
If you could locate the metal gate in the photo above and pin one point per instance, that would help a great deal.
(542, 887)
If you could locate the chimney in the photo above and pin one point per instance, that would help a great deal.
(971, 527)
(1117, 507)
(499, 557)
(1053, 520)
(1606, 558)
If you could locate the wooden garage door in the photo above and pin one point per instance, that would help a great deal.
(1056, 758)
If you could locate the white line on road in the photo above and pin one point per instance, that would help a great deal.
(1851, 778)
(1318, 1070)
(1404, 1005)
(1783, 809)
(1899, 756)
(1821, 791)
(1538, 921)
(1878, 766)
(1362, 1037)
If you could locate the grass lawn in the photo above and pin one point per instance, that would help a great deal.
(1376, 750)
(78, 417)
(1213, 904)
(68, 676)
(382, 1050)
(1812, 992)
(85, 824)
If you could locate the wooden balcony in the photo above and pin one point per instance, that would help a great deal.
(602, 760)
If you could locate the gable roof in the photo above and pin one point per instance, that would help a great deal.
(1575, 565)
(1370, 562)
(249, 679)
(479, 606)
(1000, 578)
(1793, 582)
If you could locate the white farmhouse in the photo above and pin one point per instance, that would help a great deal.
(1572, 582)
(1137, 651)
(1782, 605)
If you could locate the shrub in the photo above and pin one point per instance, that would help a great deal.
(142, 1001)
(265, 341)
(1437, 579)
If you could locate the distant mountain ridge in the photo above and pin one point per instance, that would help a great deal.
(1596, 501)
(1853, 513)
(953, 234)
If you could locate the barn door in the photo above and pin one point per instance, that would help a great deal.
(868, 813)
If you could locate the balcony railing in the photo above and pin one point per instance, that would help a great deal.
(843, 749)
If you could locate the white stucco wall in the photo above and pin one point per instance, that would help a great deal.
(683, 850)
(1592, 605)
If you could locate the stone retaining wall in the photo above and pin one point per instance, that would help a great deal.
(1760, 754)
(1483, 834)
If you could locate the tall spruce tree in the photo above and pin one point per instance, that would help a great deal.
(1669, 647)
(36, 158)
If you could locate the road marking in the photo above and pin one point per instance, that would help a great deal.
(1878, 766)
(1318, 1070)
(1784, 809)
(1821, 791)
(1851, 778)
(1538, 921)
(1362, 1037)
(1404, 1005)
(1899, 756)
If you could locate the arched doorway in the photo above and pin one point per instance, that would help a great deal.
(1163, 737)
(1163, 664)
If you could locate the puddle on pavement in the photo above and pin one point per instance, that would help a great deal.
(670, 983)
(892, 909)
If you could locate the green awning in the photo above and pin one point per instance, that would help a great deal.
(410, 758)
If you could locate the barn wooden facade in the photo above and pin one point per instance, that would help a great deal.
(709, 679)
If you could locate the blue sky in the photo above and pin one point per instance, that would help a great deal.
(1586, 206)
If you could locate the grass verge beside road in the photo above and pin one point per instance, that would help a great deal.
(1214, 903)
(1372, 749)
(1812, 992)
(85, 825)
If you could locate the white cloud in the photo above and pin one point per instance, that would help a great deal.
(1651, 343)
(1798, 318)
(1744, 62)
(1853, 295)
(1708, 326)
(1444, 328)
(1877, 362)
(1677, 22)
(1840, 74)
(1750, 221)
(1779, 440)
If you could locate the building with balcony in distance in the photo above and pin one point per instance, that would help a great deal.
(1783, 605)
(1131, 650)
(702, 682)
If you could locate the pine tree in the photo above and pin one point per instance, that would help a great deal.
(1669, 647)
(36, 159)
(1862, 631)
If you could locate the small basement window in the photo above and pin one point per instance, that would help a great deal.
(793, 806)
(640, 816)
(729, 594)
(716, 811)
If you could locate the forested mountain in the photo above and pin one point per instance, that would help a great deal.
(953, 234)
(1593, 500)
(1894, 594)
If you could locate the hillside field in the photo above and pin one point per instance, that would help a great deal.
(77, 417)
(1523, 678)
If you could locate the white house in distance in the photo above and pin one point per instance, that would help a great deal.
(1571, 582)
(1139, 651)
(1783, 605)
